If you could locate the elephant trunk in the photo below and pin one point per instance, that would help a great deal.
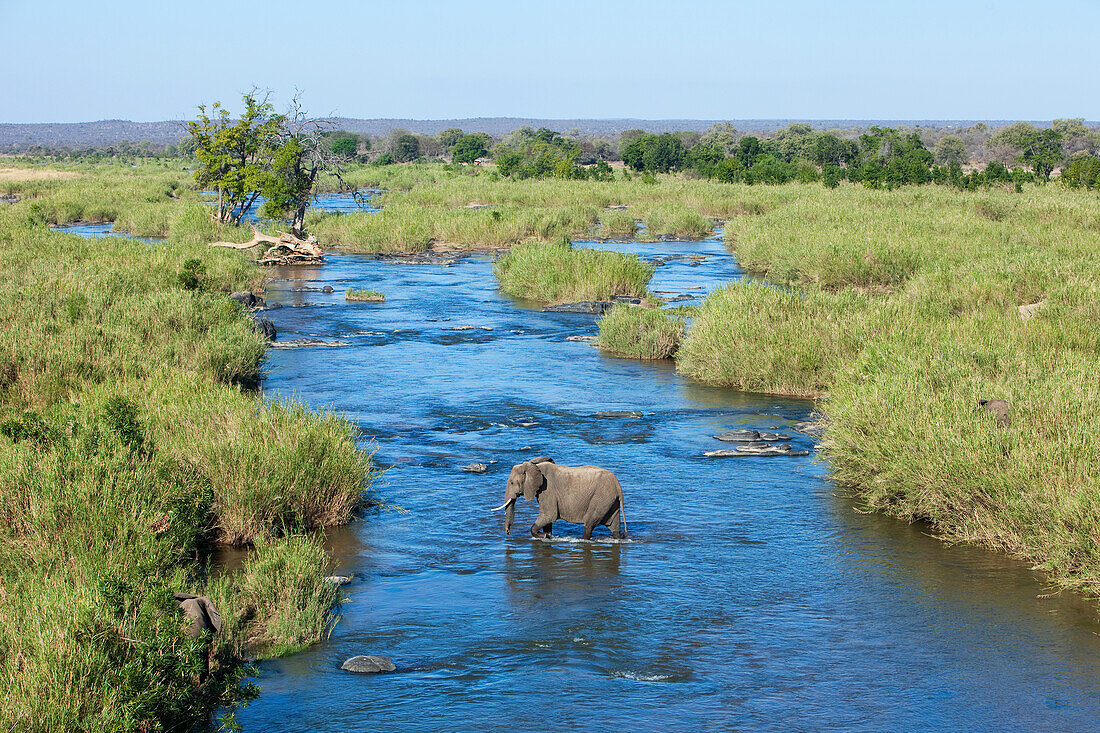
(509, 515)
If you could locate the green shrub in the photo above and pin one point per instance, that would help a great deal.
(558, 272)
(642, 333)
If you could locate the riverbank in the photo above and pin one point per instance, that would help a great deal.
(131, 446)
(908, 307)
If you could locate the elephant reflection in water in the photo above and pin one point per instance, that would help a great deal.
(585, 495)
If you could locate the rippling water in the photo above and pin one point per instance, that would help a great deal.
(750, 596)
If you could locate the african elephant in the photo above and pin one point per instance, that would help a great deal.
(585, 495)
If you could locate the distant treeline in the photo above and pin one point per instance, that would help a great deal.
(875, 156)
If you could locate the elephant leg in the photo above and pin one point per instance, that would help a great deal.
(543, 527)
(613, 524)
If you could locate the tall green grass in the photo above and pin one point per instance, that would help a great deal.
(128, 450)
(642, 333)
(552, 273)
(907, 315)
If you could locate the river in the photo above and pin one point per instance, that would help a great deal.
(751, 595)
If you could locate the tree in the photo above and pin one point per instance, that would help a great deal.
(344, 144)
(658, 153)
(469, 148)
(722, 135)
(261, 154)
(951, 149)
(449, 137)
(236, 158)
(1044, 152)
(405, 148)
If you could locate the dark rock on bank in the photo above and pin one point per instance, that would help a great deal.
(264, 326)
(590, 307)
(200, 611)
(247, 299)
(368, 664)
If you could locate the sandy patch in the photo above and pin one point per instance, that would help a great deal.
(35, 174)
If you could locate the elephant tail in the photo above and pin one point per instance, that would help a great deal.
(622, 512)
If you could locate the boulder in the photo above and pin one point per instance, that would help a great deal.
(368, 663)
(264, 326)
(475, 468)
(200, 611)
(739, 436)
(327, 289)
(590, 307)
(339, 579)
(999, 409)
(247, 299)
(1027, 312)
(632, 414)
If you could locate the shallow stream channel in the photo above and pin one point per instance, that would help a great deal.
(750, 595)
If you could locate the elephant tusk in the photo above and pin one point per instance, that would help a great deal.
(502, 506)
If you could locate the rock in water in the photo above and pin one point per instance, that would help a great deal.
(632, 414)
(739, 436)
(327, 289)
(591, 307)
(368, 663)
(264, 326)
(339, 579)
(476, 468)
(307, 342)
(773, 437)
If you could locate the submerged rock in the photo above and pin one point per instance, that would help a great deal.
(306, 342)
(368, 663)
(339, 579)
(754, 451)
(739, 436)
(632, 414)
(810, 427)
(327, 289)
(475, 468)
(590, 307)
(582, 338)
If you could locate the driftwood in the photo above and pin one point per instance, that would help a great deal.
(285, 249)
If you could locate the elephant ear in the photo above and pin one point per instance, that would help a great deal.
(532, 481)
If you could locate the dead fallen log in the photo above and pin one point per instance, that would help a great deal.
(285, 249)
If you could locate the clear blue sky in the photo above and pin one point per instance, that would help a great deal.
(69, 60)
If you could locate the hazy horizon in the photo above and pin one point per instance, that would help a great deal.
(697, 60)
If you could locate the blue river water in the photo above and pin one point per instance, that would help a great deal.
(751, 594)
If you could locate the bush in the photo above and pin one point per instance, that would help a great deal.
(642, 333)
(552, 273)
